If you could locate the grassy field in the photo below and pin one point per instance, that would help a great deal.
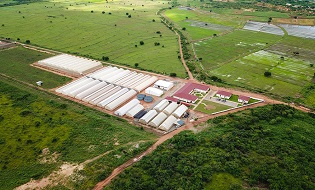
(16, 62)
(269, 147)
(289, 73)
(211, 107)
(72, 27)
(31, 121)
(218, 51)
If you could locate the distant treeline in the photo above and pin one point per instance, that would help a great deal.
(18, 2)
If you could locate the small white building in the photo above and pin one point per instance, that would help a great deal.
(154, 91)
(162, 84)
(243, 99)
(224, 94)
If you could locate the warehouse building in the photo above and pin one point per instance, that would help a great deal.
(184, 94)
(154, 91)
(162, 84)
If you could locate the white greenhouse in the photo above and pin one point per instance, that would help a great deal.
(71, 64)
(168, 123)
(124, 109)
(158, 120)
(98, 93)
(76, 86)
(148, 116)
(105, 95)
(146, 83)
(170, 108)
(180, 111)
(160, 106)
(59, 90)
(91, 90)
(154, 91)
(122, 99)
(113, 97)
(135, 110)
(83, 88)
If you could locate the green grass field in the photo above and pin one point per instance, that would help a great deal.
(72, 27)
(211, 107)
(15, 63)
(31, 120)
(288, 75)
(221, 50)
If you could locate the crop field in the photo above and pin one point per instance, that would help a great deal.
(288, 75)
(195, 22)
(82, 28)
(221, 50)
(40, 132)
(15, 62)
(211, 107)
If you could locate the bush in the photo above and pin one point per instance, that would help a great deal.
(183, 28)
(141, 43)
(28, 41)
(105, 58)
(267, 74)
(173, 74)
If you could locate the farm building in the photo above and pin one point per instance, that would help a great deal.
(180, 111)
(224, 94)
(154, 91)
(243, 99)
(148, 116)
(184, 93)
(135, 110)
(160, 106)
(168, 123)
(117, 102)
(70, 64)
(124, 78)
(140, 114)
(89, 91)
(171, 108)
(158, 120)
(130, 105)
(113, 97)
(162, 84)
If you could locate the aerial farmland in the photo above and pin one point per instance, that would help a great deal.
(139, 94)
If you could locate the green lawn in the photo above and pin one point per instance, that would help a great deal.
(289, 76)
(218, 51)
(31, 120)
(72, 27)
(16, 62)
(215, 107)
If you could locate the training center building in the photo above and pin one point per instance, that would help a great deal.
(184, 94)
(224, 94)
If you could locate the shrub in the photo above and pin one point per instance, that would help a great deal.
(173, 74)
(136, 64)
(28, 41)
(141, 43)
(105, 58)
(267, 74)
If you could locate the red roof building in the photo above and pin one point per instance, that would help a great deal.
(224, 94)
(184, 93)
(244, 99)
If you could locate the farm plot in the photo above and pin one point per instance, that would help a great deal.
(40, 132)
(288, 75)
(220, 50)
(16, 64)
(300, 31)
(82, 28)
(263, 27)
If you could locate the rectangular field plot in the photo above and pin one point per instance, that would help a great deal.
(223, 49)
(211, 107)
(288, 75)
(300, 31)
(263, 27)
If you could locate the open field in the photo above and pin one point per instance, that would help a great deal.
(288, 75)
(252, 149)
(221, 50)
(15, 62)
(32, 122)
(211, 107)
(72, 27)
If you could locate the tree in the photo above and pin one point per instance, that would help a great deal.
(92, 11)
(129, 16)
(215, 35)
(136, 45)
(311, 65)
(127, 13)
(153, 20)
(105, 58)
(136, 64)
(103, 12)
(141, 43)
(28, 41)
(18, 39)
(2, 24)
(173, 74)
(296, 53)
(183, 28)
(267, 74)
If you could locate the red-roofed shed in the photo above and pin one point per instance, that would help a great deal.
(243, 99)
(224, 94)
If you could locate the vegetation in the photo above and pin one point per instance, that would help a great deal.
(16, 62)
(31, 121)
(211, 107)
(95, 35)
(268, 147)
